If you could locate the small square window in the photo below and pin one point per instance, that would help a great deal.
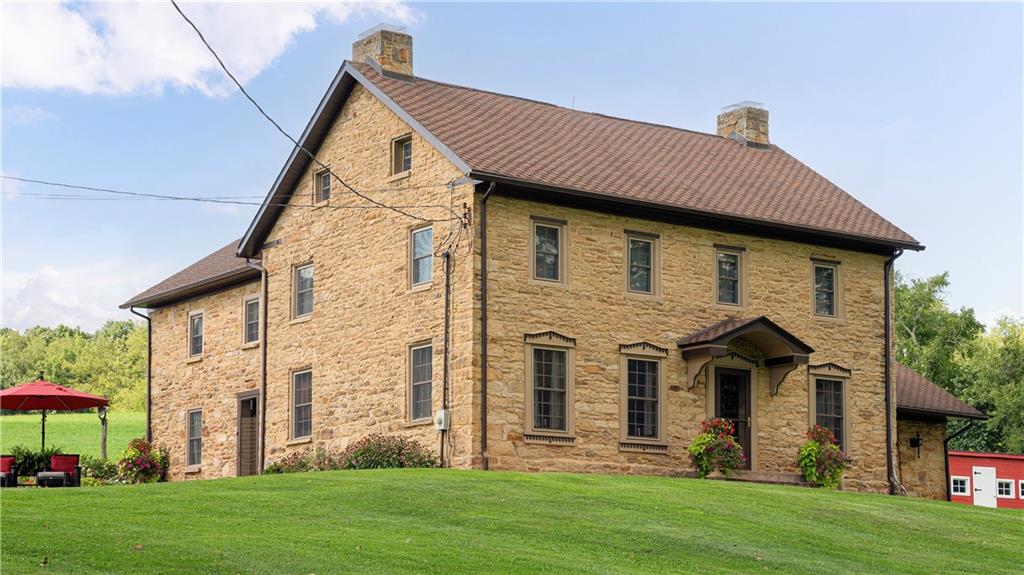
(960, 485)
(728, 270)
(401, 155)
(323, 186)
(195, 335)
(303, 290)
(1004, 488)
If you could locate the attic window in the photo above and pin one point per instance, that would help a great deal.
(401, 155)
(322, 186)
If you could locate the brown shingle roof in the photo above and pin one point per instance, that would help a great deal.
(220, 268)
(544, 144)
(717, 333)
(916, 394)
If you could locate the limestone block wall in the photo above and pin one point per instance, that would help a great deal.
(211, 382)
(922, 471)
(593, 307)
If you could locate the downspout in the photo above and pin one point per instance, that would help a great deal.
(263, 362)
(447, 336)
(894, 486)
(149, 373)
(483, 326)
(945, 456)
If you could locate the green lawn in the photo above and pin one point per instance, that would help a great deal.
(73, 432)
(444, 521)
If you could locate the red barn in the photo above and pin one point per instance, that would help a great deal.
(987, 479)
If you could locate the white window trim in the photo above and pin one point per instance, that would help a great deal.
(410, 396)
(292, 405)
(1012, 483)
(563, 253)
(318, 187)
(741, 281)
(967, 485)
(202, 336)
(1021, 492)
(655, 242)
(412, 257)
(245, 320)
(295, 291)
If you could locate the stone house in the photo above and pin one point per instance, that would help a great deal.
(639, 278)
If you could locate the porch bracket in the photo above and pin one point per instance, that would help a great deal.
(780, 367)
(697, 361)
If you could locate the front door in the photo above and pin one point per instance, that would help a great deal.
(985, 486)
(732, 402)
(248, 437)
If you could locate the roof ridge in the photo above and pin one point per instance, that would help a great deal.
(542, 102)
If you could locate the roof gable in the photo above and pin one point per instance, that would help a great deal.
(505, 138)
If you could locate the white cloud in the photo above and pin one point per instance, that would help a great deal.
(125, 48)
(75, 295)
(26, 115)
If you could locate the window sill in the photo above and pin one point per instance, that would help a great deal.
(400, 176)
(418, 423)
(193, 469)
(543, 438)
(299, 441)
(425, 286)
(194, 358)
(301, 319)
(251, 345)
(641, 446)
(838, 319)
(562, 284)
(643, 295)
(729, 306)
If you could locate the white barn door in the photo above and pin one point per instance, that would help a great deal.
(985, 486)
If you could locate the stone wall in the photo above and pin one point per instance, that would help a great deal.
(211, 382)
(923, 470)
(594, 308)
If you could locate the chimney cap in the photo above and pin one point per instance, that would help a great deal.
(382, 27)
(744, 104)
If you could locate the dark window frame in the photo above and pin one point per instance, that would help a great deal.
(194, 438)
(832, 421)
(401, 155)
(736, 281)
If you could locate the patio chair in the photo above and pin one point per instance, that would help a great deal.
(8, 471)
(64, 471)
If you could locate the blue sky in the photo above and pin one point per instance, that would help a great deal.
(914, 109)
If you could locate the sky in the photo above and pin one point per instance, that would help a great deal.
(914, 109)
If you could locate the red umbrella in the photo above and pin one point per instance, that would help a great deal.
(46, 396)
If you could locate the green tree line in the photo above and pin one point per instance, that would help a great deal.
(952, 348)
(110, 362)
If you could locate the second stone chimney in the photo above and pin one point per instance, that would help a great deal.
(386, 47)
(748, 120)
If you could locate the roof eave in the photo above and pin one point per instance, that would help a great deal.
(202, 287)
(919, 411)
(879, 243)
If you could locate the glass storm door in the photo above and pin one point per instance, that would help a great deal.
(732, 402)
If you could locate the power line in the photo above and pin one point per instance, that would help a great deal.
(282, 130)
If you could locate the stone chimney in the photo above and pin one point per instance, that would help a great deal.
(386, 47)
(748, 120)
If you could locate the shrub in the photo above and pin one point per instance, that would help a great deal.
(385, 452)
(143, 463)
(31, 462)
(319, 460)
(100, 469)
(821, 460)
(716, 448)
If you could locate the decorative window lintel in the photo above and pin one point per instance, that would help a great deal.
(550, 338)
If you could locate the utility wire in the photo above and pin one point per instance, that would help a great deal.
(282, 130)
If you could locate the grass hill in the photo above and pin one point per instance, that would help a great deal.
(448, 521)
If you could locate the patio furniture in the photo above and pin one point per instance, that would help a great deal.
(43, 396)
(64, 471)
(8, 471)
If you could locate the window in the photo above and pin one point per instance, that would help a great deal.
(195, 437)
(302, 404)
(251, 327)
(826, 278)
(727, 272)
(401, 155)
(195, 335)
(642, 398)
(550, 371)
(642, 262)
(421, 375)
(1022, 488)
(1004, 488)
(422, 252)
(303, 290)
(960, 485)
(828, 408)
(322, 184)
(548, 264)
